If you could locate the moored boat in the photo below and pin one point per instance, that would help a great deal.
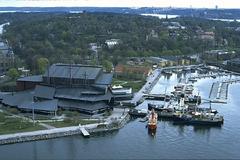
(200, 119)
(138, 112)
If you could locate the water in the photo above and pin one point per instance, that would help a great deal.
(161, 16)
(133, 141)
(225, 20)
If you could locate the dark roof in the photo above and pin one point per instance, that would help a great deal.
(44, 92)
(2, 94)
(48, 105)
(18, 98)
(100, 87)
(37, 78)
(73, 71)
(3, 46)
(83, 106)
(104, 79)
(84, 94)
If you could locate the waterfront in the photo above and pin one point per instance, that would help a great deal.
(133, 141)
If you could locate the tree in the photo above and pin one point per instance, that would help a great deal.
(107, 65)
(13, 73)
(42, 64)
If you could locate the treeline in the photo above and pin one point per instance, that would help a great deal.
(64, 37)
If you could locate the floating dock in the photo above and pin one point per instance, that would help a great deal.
(84, 132)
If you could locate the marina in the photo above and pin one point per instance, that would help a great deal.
(134, 135)
(185, 106)
(115, 83)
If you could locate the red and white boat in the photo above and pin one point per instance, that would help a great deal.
(152, 120)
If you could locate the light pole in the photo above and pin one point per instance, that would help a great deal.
(33, 116)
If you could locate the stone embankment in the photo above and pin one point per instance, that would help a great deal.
(111, 124)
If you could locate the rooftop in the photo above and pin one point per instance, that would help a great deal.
(84, 106)
(36, 78)
(44, 92)
(73, 71)
(83, 94)
(104, 79)
(48, 105)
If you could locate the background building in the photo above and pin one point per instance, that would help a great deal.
(6, 57)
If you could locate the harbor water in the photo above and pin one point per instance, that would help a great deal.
(134, 142)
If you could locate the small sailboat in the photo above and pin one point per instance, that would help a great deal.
(152, 120)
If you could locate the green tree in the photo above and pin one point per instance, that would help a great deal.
(107, 65)
(13, 73)
(42, 64)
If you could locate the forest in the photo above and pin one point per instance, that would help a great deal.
(64, 38)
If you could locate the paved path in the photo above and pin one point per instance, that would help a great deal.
(147, 87)
(47, 126)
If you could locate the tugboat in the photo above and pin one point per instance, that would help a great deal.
(152, 120)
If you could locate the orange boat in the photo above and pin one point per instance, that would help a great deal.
(152, 120)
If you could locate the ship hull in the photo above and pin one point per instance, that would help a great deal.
(152, 126)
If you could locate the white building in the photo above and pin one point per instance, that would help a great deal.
(112, 42)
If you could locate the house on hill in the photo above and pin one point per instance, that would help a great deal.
(130, 71)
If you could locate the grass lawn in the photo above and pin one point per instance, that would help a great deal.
(14, 125)
(135, 85)
(71, 122)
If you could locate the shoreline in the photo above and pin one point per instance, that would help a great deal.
(61, 132)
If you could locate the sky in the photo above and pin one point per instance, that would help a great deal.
(122, 3)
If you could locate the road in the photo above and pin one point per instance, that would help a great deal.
(151, 81)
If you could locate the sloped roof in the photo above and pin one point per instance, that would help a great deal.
(48, 105)
(73, 71)
(2, 94)
(36, 78)
(84, 106)
(84, 94)
(18, 98)
(104, 79)
(44, 92)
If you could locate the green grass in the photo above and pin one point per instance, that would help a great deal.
(15, 125)
(71, 122)
(135, 85)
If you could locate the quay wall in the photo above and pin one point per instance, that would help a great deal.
(59, 132)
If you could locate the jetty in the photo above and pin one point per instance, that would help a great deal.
(219, 92)
(84, 131)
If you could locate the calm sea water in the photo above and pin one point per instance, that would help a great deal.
(134, 142)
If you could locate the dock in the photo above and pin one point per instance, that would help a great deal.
(209, 75)
(219, 92)
(151, 82)
(161, 97)
(84, 132)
